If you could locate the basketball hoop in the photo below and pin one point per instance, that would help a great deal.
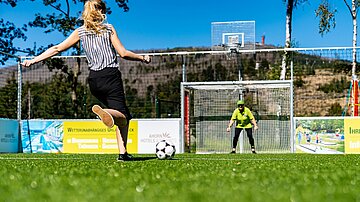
(233, 36)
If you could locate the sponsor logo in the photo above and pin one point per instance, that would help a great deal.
(354, 130)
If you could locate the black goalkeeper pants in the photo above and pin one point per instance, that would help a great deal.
(248, 133)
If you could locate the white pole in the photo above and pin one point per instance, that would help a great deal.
(292, 141)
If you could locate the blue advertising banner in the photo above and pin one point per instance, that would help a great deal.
(9, 135)
(42, 136)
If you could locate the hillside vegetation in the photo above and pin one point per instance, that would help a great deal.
(320, 83)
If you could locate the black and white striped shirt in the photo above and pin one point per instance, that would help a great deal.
(98, 48)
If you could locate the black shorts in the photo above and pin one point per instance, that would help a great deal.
(107, 86)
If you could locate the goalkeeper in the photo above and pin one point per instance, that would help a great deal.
(244, 121)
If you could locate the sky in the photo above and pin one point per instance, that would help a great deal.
(162, 24)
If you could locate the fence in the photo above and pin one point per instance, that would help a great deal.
(57, 88)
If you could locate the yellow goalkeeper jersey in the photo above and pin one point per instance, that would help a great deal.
(243, 119)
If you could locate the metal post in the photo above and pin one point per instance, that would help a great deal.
(19, 91)
(184, 79)
(182, 97)
(238, 56)
(182, 123)
(241, 141)
(19, 88)
(292, 141)
(157, 107)
(29, 103)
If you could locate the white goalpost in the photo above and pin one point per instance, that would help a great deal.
(206, 108)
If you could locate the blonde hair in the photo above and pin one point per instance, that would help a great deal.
(94, 15)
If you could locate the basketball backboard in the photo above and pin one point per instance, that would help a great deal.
(233, 36)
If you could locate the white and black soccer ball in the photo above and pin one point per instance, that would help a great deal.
(165, 150)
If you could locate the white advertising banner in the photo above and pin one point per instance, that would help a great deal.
(9, 135)
(151, 131)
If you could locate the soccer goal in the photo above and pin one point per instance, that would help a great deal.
(207, 108)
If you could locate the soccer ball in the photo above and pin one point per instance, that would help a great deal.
(165, 150)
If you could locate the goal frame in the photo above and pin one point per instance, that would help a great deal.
(185, 103)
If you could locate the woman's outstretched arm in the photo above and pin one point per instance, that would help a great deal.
(54, 50)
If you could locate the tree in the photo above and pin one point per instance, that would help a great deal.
(8, 98)
(8, 33)
(290, 5)
(327, 21)
(61, 21)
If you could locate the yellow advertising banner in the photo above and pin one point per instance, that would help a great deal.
(94, 137)
(132, 142)
(352, 136)
(89, 137)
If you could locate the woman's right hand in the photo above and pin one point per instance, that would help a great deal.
(146, 59)
(27, 63)
(228, 129)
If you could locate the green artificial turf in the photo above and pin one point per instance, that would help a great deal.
(188, 177)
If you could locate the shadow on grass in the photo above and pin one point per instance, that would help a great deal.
(151, 158)
(143, 158)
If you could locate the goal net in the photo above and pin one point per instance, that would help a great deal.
(207, 108)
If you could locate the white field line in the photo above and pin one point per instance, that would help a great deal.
(181, 158)
(34, 158)
(239, 159)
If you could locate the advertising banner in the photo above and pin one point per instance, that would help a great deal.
(42, 136)
(94, 137)
(133, 135)
(9, 135)
(352, 134)
(327, 135)
(88, 137)
(91, 136)
(153, 131)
